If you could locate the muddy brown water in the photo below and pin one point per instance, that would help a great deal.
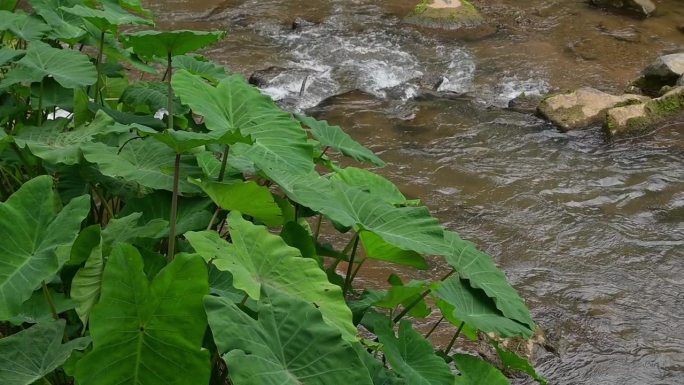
(591, 232)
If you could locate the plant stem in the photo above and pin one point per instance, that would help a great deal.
(174, 209)
(453, 340)
(356, 271)
(318, 226)
(98, 67)
(213, 218)
(169, 104)
(40, 103)
(176, 171)
(350, 266)
(224, 163)
(48, 297)
(434, 327)
(417, 301)
(104, 203)
(45, 380)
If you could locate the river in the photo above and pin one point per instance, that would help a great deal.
(591, 232)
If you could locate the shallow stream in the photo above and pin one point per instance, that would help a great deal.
(591, 232)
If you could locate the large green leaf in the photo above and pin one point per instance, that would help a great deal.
(8, 54)
(69, 68)
(408, 228)
(37, 308)
(257, 258)
(247, 197)
(144, 161)
(154, 95)
(477, 309)
(372, 183)
(126, 229)
(197, 65)
(479, 269)
(53, 143)
(277, 140)
(412, 356)
(163, 43)
(110, 14)
(475, 371)
(335, 138)
(87, 284)
(23, 26)
(65, 26)
(37, 237)
(31, 354)
(148, 333)
(378, 372)
(288, 344)
(193, 213)
(377, 248)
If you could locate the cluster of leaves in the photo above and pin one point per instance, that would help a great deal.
(166, 231)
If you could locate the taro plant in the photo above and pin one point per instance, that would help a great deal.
(169, 230)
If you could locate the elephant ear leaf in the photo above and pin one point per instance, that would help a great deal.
(475, 371)
(335, 138)
(412, 356)
(161, 44)
(41, 236)
(288, 344)
(42, 343)
(71, 69)
(154, 331)
(257, 258)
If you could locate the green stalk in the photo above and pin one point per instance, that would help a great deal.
(40, 103)
(453, 340)
(98, 67)
(224, 164)
(48, 297)
(169, 105)
(318, 227)
(350, 266)
(176, 173)
(174, 210)
(434, 327)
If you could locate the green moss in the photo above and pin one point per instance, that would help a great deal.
(422, 7)
(666, 105)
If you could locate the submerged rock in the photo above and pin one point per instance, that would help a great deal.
(635, 119)
(665, 71)
(446, 14)
(639, 7)
(582, 107)
(525, 103)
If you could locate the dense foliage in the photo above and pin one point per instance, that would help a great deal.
(161, 222)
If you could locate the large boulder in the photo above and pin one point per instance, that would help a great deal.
(665, 71)
(582, 107)
(639, 7)
(634, 119)
(445, 14)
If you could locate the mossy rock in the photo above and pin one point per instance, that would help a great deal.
(445, 14)
(633, 120)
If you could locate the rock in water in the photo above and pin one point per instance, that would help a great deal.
(635, 119)
(445, 14)
(640, 7)
(582, 107)
(525, 103)
(665, 71)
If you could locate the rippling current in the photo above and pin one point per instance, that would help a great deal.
(591, 232)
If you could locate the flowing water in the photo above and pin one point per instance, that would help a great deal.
(591, 232)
